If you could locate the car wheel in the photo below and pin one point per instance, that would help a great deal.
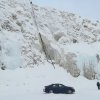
(51, 91)
(69, 91)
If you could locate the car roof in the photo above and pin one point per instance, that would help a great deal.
(56, 84)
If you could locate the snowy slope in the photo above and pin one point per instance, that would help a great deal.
(71, 42)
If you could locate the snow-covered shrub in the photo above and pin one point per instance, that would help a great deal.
(64, 40)
(19, 23)
(85, 26)
(3, 67)
(75, 72)
(98, 58)
(71, 65)
(88, 71)
(75, 41)
(58, 35)
(14, 16)
(6, 25)
(0, 48)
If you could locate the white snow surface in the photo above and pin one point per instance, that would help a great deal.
(28, 84)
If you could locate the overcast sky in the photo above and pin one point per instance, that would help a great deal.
(85, 8)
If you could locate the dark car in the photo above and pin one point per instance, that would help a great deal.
(59, 88)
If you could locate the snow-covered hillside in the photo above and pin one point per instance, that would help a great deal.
(71, 42)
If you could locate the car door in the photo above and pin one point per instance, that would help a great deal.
(55, 88)
(61, 88)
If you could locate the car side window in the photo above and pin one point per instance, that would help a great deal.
(54, 85)
(60, 85)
